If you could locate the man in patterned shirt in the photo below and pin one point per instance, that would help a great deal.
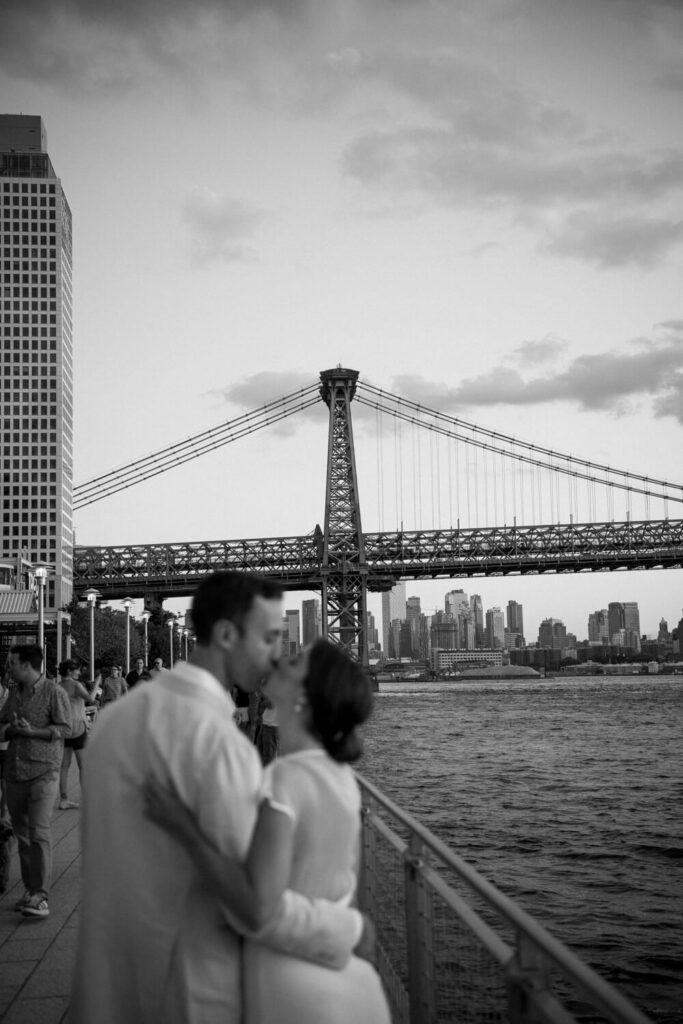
(35, 718)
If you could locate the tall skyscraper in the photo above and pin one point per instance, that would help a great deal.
(615, 618)
(311, 621)
(443, 632)
(36, 375)
(632, 617)
(291, 634)
(393, 607)
(414, 617)
(495, 629)
(515, 619)
(477, 610)
(553, 633)
(598, 627)
(373, 636)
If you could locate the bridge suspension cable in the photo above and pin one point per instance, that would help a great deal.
(513, 448)
(183, 451)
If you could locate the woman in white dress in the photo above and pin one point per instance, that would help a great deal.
(306, 839)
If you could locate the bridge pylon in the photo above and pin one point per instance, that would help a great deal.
(344, 568)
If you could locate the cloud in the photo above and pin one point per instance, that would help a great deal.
(220, 226)
(96, 44)
(672, 80)
(644, 369)
(545, 350)
(469, 140)
(259, 389)
(613, 242)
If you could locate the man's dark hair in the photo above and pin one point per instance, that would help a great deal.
(228, 595)
(31, 653)
(68, 665)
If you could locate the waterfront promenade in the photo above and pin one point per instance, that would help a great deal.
(37, 955)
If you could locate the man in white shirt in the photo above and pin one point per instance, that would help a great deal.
(154, 945)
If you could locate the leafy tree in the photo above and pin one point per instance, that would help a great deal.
(110, 636)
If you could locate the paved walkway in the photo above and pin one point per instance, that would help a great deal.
(37, 954)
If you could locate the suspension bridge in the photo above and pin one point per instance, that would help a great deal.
(468, 464)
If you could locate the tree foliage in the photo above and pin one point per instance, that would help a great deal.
(110, 637)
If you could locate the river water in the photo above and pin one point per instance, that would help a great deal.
(568, 796)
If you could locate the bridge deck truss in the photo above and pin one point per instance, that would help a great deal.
(176, 569)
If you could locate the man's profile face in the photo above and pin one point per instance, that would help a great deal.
(258, 646)
(17, 668)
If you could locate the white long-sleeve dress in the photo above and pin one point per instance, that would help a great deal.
(323, 800)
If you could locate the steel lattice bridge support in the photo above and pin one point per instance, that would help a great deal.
(343, 563)
(344, 570)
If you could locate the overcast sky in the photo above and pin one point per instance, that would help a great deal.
(475, 204)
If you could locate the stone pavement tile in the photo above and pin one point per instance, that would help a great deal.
(18, 947)
(14, 976)
(38, 1011)
(48, 982)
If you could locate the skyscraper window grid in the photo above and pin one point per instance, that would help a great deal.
(36, 370)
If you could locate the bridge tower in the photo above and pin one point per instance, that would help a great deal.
(344, 569)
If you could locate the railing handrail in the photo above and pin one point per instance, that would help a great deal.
(604, 995)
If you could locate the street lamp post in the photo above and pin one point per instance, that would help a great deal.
(186, 638)
(41, 575)
(171, 623)
(146, 616)
(127, 604)
(91, 597)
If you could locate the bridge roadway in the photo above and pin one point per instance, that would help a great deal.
(174, 570)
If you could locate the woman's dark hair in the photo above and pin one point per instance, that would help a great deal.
(66, 666)
(339, 694)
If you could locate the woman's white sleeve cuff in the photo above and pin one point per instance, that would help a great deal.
(277, 806)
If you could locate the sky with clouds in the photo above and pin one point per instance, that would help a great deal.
(478, 205)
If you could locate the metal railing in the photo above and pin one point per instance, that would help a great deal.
(452, 948)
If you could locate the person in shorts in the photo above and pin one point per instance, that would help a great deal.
(69, 678)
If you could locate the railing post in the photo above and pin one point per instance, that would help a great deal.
(419, 935)
(367, 889)
(526, 972)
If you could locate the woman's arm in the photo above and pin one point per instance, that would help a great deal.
(82, 692)
(269, 859)
(251, 891)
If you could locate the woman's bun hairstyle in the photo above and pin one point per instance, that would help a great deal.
(339, 694)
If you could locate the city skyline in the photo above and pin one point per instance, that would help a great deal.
(399, 599)
(473, 205)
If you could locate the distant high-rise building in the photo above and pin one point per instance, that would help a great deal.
(414, 617)
(513, 641)
(443, 632)
(394, 647)
(373, 636)
(36, 373)
(515, 619)
(632, 617)
(405, 640)
(393, 607)
(553, 633)
(456, 602)
(598, 627)
(615, 618)
(663, 634)
(626, 638)
(291, 631)
(311, 621)
(477, 610)
(495, 629)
